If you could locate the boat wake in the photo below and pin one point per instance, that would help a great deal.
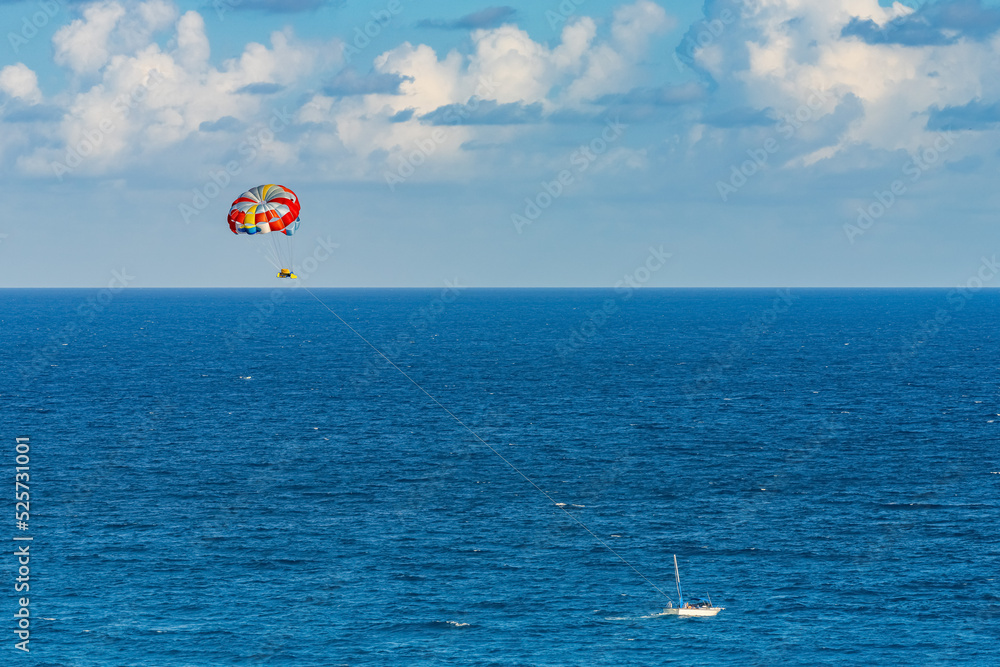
(634, 618)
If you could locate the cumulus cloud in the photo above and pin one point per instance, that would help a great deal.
(20, 81)
(143, 99)
(144, 85)
(518, 69)
(83, 44)
(192, 42)
(507, 80)
(111, 27)
(895, 64)
(610, 66)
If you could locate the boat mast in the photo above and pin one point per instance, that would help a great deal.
(677, 575)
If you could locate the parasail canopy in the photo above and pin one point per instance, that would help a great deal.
(263, 209)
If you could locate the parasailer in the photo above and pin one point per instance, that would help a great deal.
(265, 209)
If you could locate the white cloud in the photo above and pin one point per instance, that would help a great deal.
(192, 43)
(505, 65)
(611, 66)
(634, 24)
(149, 98)
(145, 99)
(521, 68)
(777, 52)
(109, 28)
(83, 44)
(576, 40)
(20, 81)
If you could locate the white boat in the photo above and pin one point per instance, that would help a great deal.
(694, 606)
(692, 610)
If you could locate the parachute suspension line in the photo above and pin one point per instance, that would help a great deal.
(272, 239)
(277, 251)
(271, 255)
(488, 445)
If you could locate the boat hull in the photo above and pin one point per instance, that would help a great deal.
(675, 611)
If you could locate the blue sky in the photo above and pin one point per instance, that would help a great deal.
(758, 143)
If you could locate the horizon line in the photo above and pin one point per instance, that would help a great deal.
(534, 287)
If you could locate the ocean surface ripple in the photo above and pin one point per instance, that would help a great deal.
(232, 477)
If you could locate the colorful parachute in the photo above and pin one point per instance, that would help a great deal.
(265, 209)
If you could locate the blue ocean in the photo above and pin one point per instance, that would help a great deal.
(238, 477)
